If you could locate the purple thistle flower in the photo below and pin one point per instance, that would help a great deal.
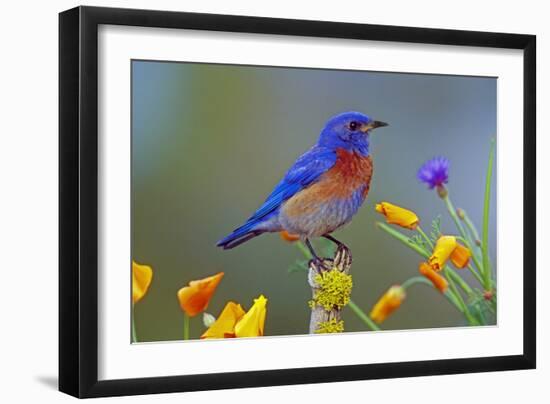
(434, 172)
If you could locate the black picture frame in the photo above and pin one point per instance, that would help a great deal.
(78, 200)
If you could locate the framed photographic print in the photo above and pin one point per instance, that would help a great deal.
(251, 201)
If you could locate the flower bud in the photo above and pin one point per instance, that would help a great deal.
(208, 319)
(442, 191)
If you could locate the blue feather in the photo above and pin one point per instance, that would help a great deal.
(305, 171)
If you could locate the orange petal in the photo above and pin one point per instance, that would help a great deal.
(142, 275)
(397, 215)
(286, 236)
(195, 297)
(461, 256)
(388, 303)
(439, 282)
(443, 249)
(224, 326)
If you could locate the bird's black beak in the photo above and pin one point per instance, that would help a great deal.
(378, 124)
(365, 128)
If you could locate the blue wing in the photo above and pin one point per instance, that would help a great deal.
(305, 171)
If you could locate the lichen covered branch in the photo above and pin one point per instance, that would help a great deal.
(331, 285)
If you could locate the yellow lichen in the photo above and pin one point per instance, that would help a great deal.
(330, 327)
(334, 290)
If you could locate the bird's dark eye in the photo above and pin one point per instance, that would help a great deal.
(353, 125)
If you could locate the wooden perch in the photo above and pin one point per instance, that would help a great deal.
(321, 314)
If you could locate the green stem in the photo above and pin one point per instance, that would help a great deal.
(415, 280)
(303, 249)
(361, 314)
(452, 211)
(452, 298)
(481, 315)
(462, 240)
(475, 274)
(459, 280)
(419, 229)
(134, 333)
(404, 239)
(493, 304)
(186, 324)
(475, 257)
(460, 300)
(471, 227)
(485, 231)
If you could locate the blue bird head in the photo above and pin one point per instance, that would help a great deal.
(350, 131)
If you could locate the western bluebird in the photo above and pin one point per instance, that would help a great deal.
(322, 190)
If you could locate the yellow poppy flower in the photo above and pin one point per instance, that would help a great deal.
(397, 215)
(460, 256)
(286, 236)
(388, 303)
(195, 297)
(234, 322)
(443, 249)
(447, 248)
(439, 282)
(142, 275)
(252, 323)
(224, 326)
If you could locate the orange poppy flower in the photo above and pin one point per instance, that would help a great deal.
(460, 256)
(142, 275)
(447, 248)
(443, 249)
(439, 282)
(388, 303)
(195, 297)
(397, 215)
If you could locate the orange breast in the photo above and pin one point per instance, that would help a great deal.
(350, 172)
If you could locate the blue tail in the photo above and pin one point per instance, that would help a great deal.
(240, 235)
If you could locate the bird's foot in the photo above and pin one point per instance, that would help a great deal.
(342, 257)
(341, 261)
(321, 264)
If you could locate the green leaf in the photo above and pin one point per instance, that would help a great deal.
(419, 241)
(435, 232)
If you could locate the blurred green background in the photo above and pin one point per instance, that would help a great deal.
(210, 141)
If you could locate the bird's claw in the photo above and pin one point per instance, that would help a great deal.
(341, 261)
(342, 257)
(319, 265)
